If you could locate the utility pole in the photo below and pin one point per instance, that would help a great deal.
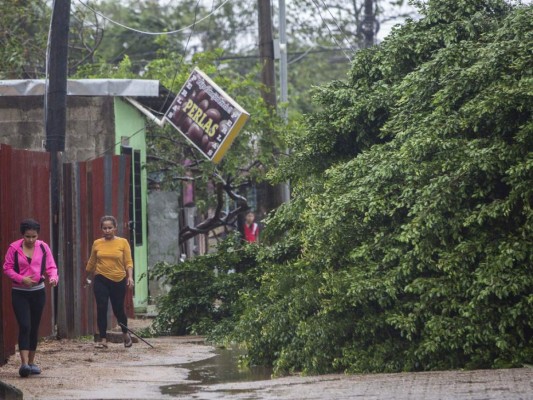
(283, 83)
(369, 24)
(266, 53)
(283, 78)
(56, 107)
(272, 196)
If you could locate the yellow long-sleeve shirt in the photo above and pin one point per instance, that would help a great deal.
(110, 258)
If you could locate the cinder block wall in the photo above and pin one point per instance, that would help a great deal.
(90, 128)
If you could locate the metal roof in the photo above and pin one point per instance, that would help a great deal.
(84, 87)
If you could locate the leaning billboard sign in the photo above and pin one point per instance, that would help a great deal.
(206, 116)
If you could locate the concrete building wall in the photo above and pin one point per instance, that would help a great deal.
(163, 232)
(90, 125)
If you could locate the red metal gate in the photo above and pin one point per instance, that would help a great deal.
(24, 193)
(90, 190)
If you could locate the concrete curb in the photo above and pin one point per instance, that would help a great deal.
(9, 392)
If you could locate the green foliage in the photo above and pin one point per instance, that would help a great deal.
(144, 16)
(147, 332)
(252, 152)
(204, 294)
(23, 37)
(24, 29)
(408, 245)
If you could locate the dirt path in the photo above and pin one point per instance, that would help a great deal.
(74, 369)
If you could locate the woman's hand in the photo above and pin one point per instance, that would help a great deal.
(53, 281)
(27, 281)
(130, 282)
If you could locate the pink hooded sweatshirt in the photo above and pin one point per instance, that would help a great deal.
(25, 268)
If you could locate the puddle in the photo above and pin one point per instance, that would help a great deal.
(222, 368)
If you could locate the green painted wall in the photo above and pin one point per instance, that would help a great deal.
(130, 130)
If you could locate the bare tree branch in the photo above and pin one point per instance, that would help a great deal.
(218, 218)
(165, 160)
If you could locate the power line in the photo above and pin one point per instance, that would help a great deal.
(183, 57)
(338, 26)
(116, 144)
(152, 33)
(301, 56)
(298, 56)
(290, 53)
(330, 32)
(168, 95)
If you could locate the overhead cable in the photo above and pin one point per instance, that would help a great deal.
(178, 67)
(338, 26)
(153, 33)
(166, 99)
(111, 148)
(330, 32)
(305, 53)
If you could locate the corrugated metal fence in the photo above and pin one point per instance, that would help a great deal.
(24, 193)
(90, 189)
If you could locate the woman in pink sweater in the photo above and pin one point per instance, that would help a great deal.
(26, 263)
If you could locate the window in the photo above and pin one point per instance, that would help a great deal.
(135, 206)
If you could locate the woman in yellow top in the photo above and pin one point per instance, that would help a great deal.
(112, 266)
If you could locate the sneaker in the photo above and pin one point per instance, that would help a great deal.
(35, 370)
(24, 370)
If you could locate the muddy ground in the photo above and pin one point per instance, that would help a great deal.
(74, 369)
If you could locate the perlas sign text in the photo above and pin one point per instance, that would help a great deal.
(206, 116)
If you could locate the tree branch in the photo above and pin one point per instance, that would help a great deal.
(219, 218)
(165, 160)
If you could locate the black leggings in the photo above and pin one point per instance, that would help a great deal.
(28, 307)
(105, 290)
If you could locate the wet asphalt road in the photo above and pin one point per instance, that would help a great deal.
(509, 384)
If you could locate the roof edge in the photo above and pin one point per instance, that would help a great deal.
(83, 87)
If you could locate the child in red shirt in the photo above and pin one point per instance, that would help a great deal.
(251, 229)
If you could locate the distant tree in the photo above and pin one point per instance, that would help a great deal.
(131, 27)
(24, 29)
(323, 36)
(175, 161)
(23, 35)
(249, 159)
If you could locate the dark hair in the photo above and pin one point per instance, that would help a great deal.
(29, 225)
(108, 218)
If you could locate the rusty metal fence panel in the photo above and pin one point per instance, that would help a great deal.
(91, 189)
(24, 193)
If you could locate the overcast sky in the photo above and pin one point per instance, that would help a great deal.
(391, 13)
